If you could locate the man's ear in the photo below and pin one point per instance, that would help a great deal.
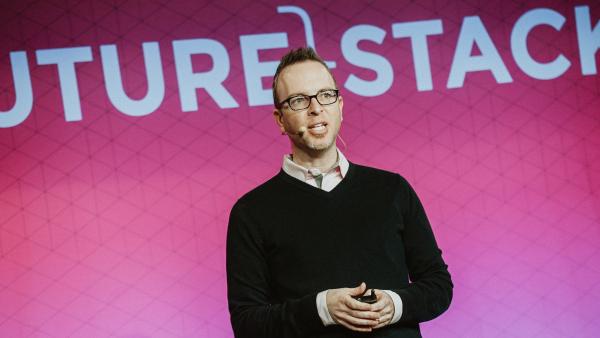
(279, 120)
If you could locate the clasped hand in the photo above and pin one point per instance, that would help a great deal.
(356, 315)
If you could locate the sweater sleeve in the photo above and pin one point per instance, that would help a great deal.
(253, 312)
(430, 289)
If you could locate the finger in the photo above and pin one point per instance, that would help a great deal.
(354, 322)
(380, 326)
(383, 301)
(364, 314)
(358, 321)
(378, 306)
(355, 304)
(359, 290)
(356, 328)
(383, 321)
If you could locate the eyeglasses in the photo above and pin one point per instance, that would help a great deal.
(300, 102)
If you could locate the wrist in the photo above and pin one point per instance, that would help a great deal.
(323, 308)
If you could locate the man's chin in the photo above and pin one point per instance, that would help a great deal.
(319, 146)
(316, 146)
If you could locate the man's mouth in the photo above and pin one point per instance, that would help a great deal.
(318, 128)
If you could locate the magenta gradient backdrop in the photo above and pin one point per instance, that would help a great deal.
(115, 225)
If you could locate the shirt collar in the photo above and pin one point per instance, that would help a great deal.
(299, 172)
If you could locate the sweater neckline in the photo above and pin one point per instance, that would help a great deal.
(342, 186)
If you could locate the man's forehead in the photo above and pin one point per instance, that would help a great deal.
(304, 76)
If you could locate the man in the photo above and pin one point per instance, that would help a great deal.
(303, 245)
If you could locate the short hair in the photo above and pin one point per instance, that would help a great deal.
(296, 56)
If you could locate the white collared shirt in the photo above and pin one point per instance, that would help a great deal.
(331, 178)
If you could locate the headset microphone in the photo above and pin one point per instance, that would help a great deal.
(301, 131)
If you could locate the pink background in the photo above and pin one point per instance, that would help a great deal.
(115, 225)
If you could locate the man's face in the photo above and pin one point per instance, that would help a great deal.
(322, 122)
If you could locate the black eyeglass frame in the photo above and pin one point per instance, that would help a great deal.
(310, 97)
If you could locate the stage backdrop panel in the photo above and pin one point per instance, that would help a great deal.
(129, 128)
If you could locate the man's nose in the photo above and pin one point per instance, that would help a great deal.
(314, 107)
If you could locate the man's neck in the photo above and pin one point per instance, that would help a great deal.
(322, 160)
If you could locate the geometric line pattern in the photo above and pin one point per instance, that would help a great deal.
(115, 225)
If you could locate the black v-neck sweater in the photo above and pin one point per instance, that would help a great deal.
(288, 240)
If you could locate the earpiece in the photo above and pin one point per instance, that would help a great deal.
(301, 131)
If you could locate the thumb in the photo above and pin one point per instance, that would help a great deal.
(359, 290)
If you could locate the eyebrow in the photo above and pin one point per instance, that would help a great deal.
(302, 94)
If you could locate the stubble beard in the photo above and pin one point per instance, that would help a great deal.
(316, 146)
(312, 144)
